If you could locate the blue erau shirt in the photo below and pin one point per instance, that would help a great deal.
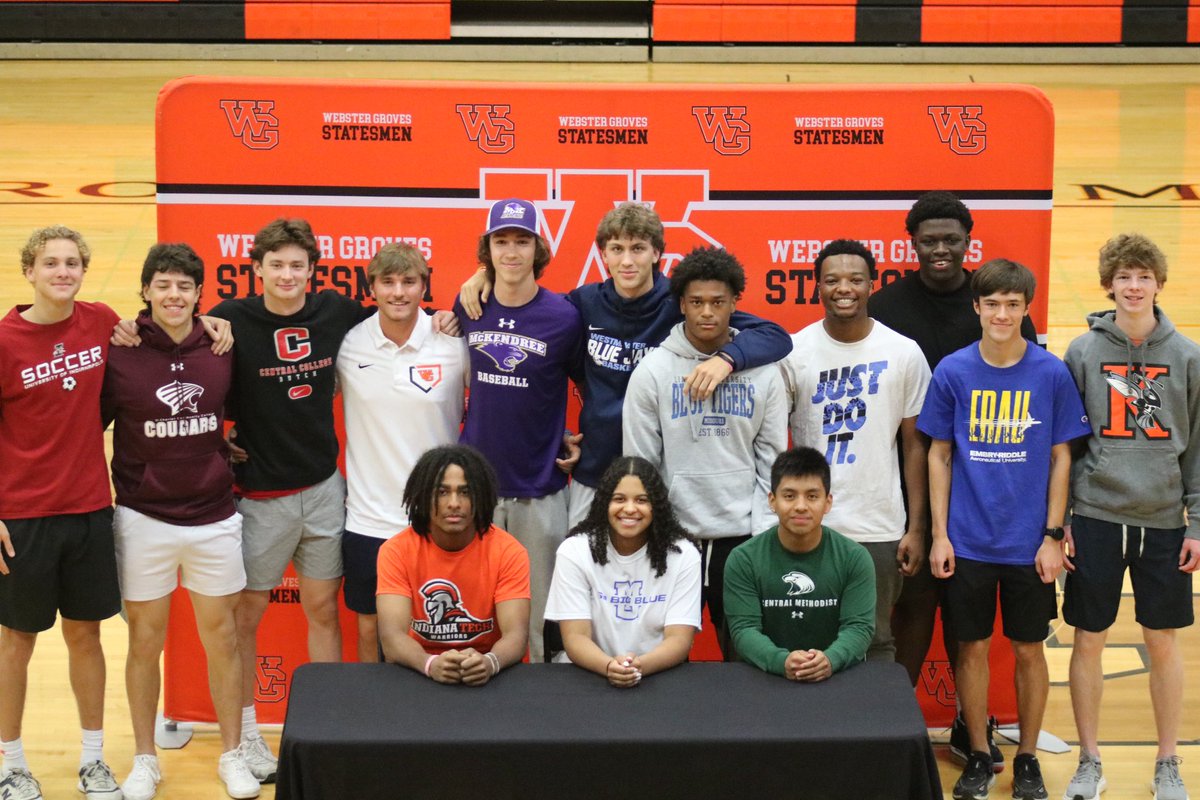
(1003, 423)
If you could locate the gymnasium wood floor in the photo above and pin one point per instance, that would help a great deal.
(72, 124)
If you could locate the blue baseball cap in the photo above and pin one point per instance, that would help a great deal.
(512, 213)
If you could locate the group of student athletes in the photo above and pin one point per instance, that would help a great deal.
(926, 426)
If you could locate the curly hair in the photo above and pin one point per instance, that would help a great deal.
(664, 532)
(37, 243)
(1132, 251)
(426, 477)
(845, 247)
(708, 264)
(176, 257)
(938, 205)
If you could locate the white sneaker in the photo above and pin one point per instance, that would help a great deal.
(18, 784)
(97, 781)
(142, 783)
(258, 757)
(240, 783)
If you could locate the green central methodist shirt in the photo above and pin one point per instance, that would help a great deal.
(777, 601)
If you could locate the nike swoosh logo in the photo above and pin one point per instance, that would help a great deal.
(364, 366)
(595, 327)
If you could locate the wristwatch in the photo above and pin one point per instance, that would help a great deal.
(1057, 534)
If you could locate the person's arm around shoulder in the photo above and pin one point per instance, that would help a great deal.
(474, 293)
(941, 552)
(759, 342)
(743, 612)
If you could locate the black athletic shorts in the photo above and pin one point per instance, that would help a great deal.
(63, 564)
(360, 558)
(1162, 594)
(1026, 604)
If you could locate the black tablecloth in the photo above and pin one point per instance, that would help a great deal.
(555, 731)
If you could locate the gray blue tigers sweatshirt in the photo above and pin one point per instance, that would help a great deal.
(1142, 465)
(715, 456)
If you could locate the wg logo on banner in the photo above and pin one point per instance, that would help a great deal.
(272, 680)
(253, 122)
(488, 125)
(725, 128)
(961, 128)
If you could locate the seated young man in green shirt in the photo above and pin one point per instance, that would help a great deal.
(800, 597)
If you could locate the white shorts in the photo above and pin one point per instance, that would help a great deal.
(152, 553)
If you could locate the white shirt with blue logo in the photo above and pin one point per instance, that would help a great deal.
(626, 603)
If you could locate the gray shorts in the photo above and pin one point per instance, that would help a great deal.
(579, 502)
(888, 584)
(305, 528)
(540, 525)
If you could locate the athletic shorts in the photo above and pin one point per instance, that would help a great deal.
(1162, 594)
(151, 554)
(63, 564)
(305, 528)
(1026, 604)
(360, 560)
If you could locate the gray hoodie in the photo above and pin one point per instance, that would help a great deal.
(1142, 465)
(714, 456)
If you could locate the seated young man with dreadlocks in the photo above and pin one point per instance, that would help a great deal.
(626, 585)
(453, 596)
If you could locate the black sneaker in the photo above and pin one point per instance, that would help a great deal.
(960, 743)
(977, 777)
(997, 756)
(1027, 778)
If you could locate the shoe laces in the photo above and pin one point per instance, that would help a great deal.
(1029, 767)
(1089, 767)
(98, 775)
(235, 762)
(145, 767)
(21, 779)
(1166, 772)
(979, 762)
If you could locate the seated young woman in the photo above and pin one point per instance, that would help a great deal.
(626, 586)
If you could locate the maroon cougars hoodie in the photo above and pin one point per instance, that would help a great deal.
(169, 461)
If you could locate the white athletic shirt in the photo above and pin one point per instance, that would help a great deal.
(627, 605)
(847, 401)
(399, 402)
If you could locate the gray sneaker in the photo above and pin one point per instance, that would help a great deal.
(257, 755)
(1167, 785)
(97, 781)
(18, 784)
(1089, 781)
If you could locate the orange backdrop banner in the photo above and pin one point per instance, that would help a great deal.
(771, 172)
